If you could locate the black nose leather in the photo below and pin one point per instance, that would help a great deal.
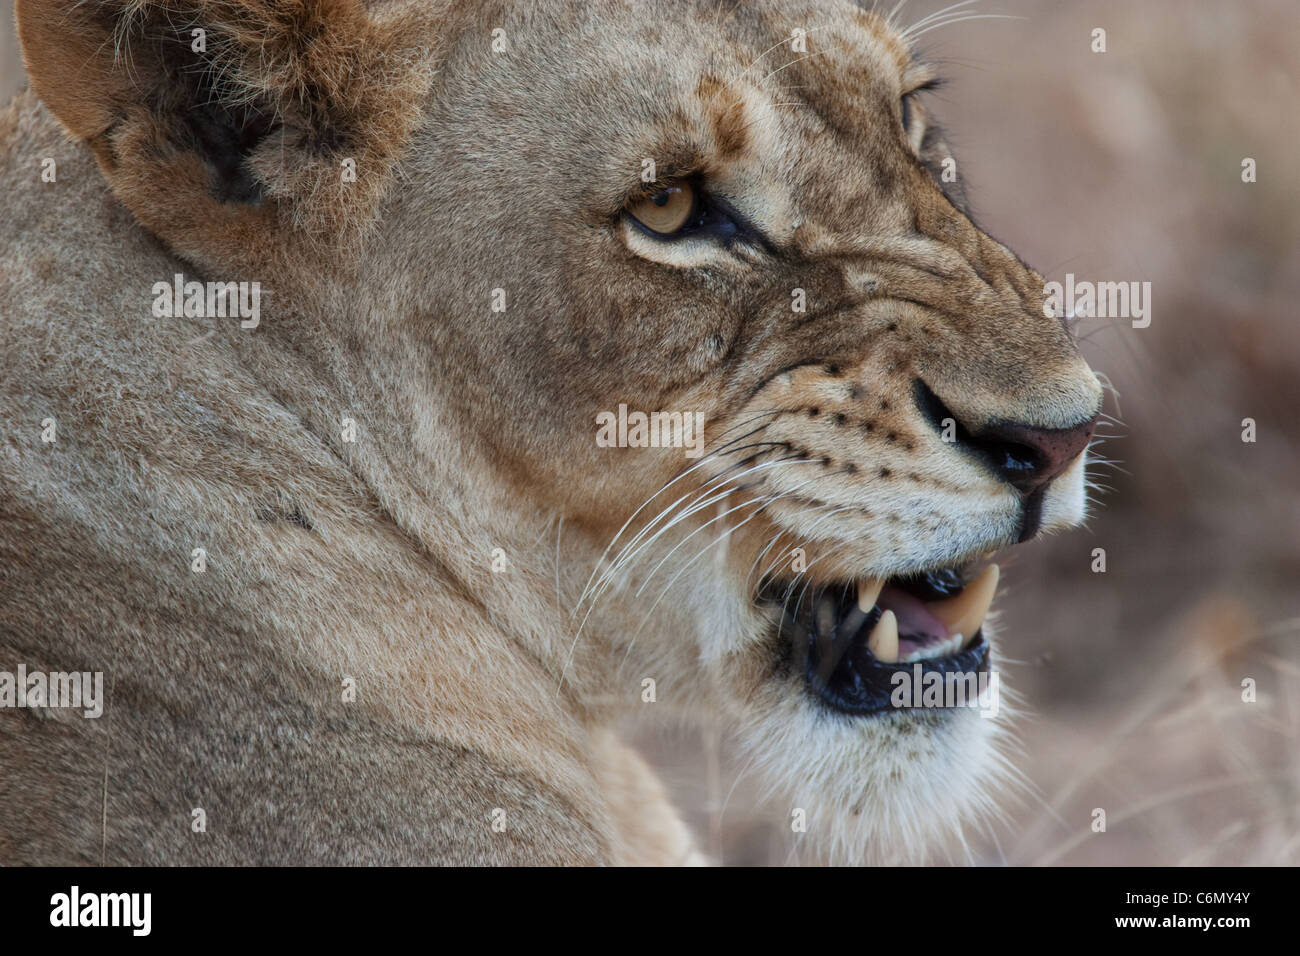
(1028, 457)
(1024, 456)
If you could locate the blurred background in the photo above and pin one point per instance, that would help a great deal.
(1126, 166)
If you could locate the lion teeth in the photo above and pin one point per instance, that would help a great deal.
(964, 613)
(868, 591)
(883, 640)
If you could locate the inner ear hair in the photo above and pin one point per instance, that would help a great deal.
(220, 124)
(234, 104)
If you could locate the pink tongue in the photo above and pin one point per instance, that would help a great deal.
(915, 622)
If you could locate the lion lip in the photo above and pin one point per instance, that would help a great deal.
(852, 638)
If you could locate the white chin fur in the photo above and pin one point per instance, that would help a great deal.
(899, 788)
(1065, 503)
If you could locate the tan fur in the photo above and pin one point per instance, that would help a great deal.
(480, 687)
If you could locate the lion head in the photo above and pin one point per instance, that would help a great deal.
(676, 306)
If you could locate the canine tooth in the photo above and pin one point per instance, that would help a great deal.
(965, 612)
(883, 640)
(868, 591)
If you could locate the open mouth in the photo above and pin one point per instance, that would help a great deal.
(851, 638)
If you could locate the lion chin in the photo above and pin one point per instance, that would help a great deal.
(413, 402)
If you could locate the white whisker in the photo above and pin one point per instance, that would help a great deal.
(933, 16)
(973, 16)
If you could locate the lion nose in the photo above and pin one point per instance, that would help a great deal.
(1025, 456)
(1028, 457)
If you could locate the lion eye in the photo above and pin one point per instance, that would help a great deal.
(667, 210)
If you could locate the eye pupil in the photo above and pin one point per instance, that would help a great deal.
(661, 198)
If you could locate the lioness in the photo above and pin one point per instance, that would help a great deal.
(311, 333)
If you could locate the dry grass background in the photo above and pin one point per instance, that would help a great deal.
(1126, 166)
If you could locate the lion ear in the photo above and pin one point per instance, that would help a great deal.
(248, 114)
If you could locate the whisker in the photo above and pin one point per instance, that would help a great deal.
(808, 56)
(806, 461)
(933, 16)
(763, 503)
(622, 562)
(974, 16)
(700, 464)
(753, 63)
(624, 557)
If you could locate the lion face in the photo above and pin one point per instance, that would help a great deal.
(696, 213)
(734, 214)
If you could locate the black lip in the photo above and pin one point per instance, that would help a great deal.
(1033, 515)
(840, 670)
(860, 685)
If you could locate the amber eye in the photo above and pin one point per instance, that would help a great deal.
(667, 210)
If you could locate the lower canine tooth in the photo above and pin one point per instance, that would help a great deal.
(965, 612)
(883, 640)
(868, 591)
